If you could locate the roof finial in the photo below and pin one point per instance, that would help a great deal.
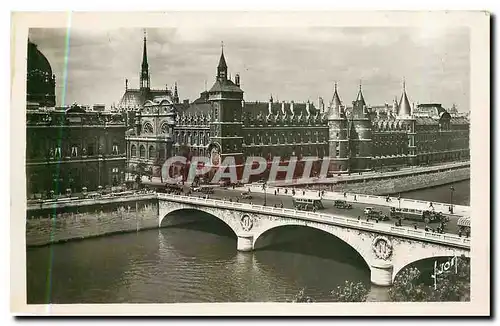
(404, 84)
(335, 86)
(144, 34)
(360, 83)
(222, 46)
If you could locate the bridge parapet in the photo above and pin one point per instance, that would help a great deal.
(373, 200)
(339, 220)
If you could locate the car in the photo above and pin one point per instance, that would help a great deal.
(368, 210)
(246, 195)
(342, 204)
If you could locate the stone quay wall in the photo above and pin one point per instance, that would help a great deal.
(62, 224)
(404, 183)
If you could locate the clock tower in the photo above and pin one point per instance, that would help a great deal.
(226, 98)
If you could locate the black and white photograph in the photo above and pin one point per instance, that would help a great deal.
(252, 158)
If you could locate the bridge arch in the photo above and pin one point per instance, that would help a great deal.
(169, 218)
(420, 256)
(343, 235)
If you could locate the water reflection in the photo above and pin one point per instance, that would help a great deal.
(193, 263)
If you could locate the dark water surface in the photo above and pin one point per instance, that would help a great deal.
(200, 263)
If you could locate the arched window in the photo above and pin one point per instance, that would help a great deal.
(142, 151)
(148, 128)
(133, 151)
(152, 152)
(164, 128)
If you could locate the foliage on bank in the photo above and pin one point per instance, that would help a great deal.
(410, 285)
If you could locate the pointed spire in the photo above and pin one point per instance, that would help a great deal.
(336, 102)
(145, 52)
(222, 67)
(360, 99)
(404, 103)
(176, 94)
(144, 79)
(222, 60)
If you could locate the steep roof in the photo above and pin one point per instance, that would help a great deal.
(136, 98)
(225, 85)
(404, 104)
(360, 98)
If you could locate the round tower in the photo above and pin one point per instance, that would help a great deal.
(337, 131)
(360, 136)
(406, 113)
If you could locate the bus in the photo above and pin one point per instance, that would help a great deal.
(417, 215)
(307, 203)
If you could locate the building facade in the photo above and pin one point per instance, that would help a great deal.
(68, 148)
(354, 138)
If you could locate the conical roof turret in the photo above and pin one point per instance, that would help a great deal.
(404, 104)
(360, 98)
(336, 110)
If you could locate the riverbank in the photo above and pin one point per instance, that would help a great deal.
(64, 227)
(400, 184)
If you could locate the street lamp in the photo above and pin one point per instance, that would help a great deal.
(452, 189)
(265, 197)
(399, 201)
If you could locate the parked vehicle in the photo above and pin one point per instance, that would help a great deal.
(463, 224)
(425, 216)
(373, 214)
(342, 204)
(307, 203)
(246, 195)
(368, 210)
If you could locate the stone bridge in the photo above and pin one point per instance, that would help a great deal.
(385, 248)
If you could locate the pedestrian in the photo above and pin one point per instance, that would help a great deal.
(359, 217)
(345, 195)
(281, 205)
(319, 193)
(275, 192)
(355, 199)
(415, 226)
(278, 190)
(286, 191)
(322, 192)
(303, 192)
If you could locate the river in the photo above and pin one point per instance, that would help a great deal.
(200, 263)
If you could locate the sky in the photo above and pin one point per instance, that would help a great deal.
(296, 64)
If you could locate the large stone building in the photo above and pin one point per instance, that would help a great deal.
(68, 148)
(355, 138)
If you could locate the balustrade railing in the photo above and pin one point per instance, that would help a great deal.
(322, 218)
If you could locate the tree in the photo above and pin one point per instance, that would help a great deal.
(350, 292)
(140, 170)
(302, 297)
(411, 286)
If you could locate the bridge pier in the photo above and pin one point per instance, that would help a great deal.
(381, 273)
(245, 243)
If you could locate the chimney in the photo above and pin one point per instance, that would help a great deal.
(237, 80)
(283, 107)
(185, 102)
(308, 108)
(126, 84)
